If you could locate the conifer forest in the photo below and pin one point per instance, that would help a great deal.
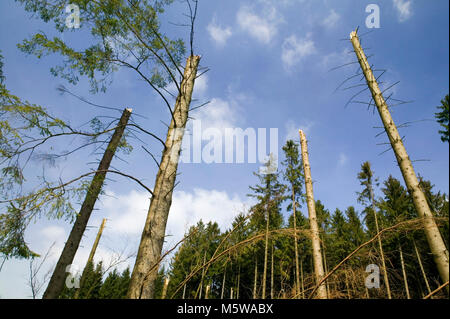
(199, 149)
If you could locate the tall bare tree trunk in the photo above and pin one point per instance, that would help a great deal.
(223, 282)
(301, 277)
(421, 268)
(238, 281)
(255, 282)
(437, 246)
(297, 272)
(145, 270)
(271, 277)
(91, 257)
(380, 245)
(347, 286)
(327, 285)
(56, 284)
(266, 251)
(317, 255)
(203, 276)
(166, 284)
(405, 279)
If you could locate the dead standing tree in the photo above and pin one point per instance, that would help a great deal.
(56, 283)
(152, 240)
(437, 246)
(317, 255)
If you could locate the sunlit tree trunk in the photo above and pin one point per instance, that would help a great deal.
(437, 246)
(405, 279)
(145, 270)
(317, 255)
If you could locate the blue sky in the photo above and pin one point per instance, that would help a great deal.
(270, 63)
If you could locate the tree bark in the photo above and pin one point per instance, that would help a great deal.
(91, 257)
(317, 255)
(56, 284)
(437, 246)
(301, 277)
(145, 270)
(405, 279)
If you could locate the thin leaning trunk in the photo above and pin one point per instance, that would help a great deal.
(405, 279)
(56, 283)
(434, 238)
(142, 283)
(317, 255)
(91, 257)
(421, 267)
(297, 272)
(256, 279)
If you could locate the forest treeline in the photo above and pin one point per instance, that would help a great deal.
(287, 245)
(214, 264)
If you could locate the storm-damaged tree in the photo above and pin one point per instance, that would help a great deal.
(127, 34)
(434, 238)
(294, 177)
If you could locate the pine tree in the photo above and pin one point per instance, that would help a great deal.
(293, 175)
(442, 118)
(267, 212)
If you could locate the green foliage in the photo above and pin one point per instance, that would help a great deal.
(120, 31)
(442, 118)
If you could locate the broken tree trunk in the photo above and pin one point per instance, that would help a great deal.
(437, 246)
(317, 255)
(405, 279)
(91, 257)
(56, 284)
(142, 284)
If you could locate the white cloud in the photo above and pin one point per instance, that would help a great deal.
(207, 205)
(127, 213)
(403, 8)
(331, 20)
(262, 28)
(342, 159)
(292, 129)
(217, 114)
(295, 49)
(218, 34)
